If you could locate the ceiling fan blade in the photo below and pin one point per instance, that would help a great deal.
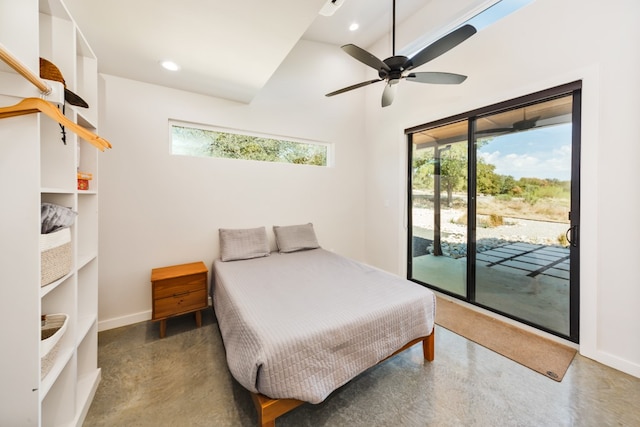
(494, 130)
(355, 86)
(436, 78)
(441, 46)
(365, 57)
(526, 124)
(388, 94)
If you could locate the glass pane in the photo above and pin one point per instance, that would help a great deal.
(201, 142)
(439, 207)
(522, 212)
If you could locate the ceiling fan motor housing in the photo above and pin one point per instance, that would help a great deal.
(396, 66)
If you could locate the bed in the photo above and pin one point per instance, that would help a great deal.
(299, 323)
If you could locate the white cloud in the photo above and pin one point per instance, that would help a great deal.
(554, 164)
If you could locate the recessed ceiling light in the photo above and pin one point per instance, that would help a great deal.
(330, 7)
(354, 26)
(170, 65)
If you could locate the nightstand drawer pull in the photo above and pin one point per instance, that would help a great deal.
(167, 287)
(179, 294)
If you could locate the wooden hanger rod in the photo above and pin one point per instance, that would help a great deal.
(23, 70)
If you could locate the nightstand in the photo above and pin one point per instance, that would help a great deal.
(178, 289)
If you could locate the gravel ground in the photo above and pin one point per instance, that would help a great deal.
(513, 230)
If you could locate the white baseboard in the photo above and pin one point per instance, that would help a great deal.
(615, 362)
(129, 319)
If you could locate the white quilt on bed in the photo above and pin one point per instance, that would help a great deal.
(302, 324)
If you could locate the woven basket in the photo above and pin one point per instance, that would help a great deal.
(53, 328)
(55, 255)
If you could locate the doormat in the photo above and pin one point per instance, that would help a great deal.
(543, 355)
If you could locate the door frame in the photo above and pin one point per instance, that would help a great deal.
(574, 89)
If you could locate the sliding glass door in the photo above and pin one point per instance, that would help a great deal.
(439, 208)
(494, 208)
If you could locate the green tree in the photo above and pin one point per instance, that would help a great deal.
(487, 182)
(205, 142)
(507, 184)
(423, 170)
(453, 169)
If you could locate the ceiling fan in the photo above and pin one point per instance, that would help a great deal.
(520, 125)
(394, 68)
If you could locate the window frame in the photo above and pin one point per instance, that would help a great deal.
(329, 147)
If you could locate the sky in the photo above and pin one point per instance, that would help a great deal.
(489, 16)
(498, 11)
(540, 153)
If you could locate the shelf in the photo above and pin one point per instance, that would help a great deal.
(13, 84)
(85, 119)
(84, 326)
(87, 387)
(52, 190)
(64, 355)
(85, 259)
(44, 290)
(54, 8)
(40, 166)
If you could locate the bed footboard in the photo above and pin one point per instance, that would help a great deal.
(269, 409)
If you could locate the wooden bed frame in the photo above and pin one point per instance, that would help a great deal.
(269, 409)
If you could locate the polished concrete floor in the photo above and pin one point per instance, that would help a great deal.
(183, 380)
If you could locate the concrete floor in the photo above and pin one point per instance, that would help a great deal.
(542, 299)
(183, 380)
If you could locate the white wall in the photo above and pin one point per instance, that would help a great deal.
(157, 209)
(545, 44)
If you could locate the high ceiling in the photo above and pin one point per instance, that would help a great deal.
(230, 49)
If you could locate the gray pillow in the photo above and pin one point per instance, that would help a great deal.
(243, 243)
(292, 238)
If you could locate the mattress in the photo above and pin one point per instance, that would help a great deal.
(302, 324)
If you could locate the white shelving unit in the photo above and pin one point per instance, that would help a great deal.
(36, 166)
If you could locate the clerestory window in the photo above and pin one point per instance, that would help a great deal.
(206, 141)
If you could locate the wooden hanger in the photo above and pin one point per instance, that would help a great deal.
(37, 105)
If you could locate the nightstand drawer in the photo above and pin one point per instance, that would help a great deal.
(178, 285)
(178, 289)
(181, 302)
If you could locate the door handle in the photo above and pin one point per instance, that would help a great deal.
(573, 230)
